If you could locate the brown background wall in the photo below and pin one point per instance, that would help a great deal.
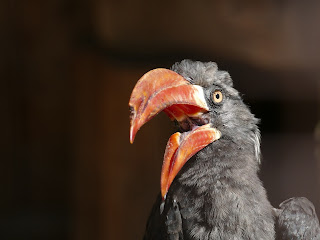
(67, 70)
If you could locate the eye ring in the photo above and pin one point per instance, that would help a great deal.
(217, 96)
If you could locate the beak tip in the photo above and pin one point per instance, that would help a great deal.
(164, 193)
(132, 134)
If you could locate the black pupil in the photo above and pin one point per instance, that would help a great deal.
(217, 95)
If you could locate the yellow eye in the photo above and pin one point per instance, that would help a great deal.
(217, 96)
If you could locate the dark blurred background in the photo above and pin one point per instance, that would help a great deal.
(67, 69)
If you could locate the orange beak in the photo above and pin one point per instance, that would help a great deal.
(165, 90)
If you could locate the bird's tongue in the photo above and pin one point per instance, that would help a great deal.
(180, 148)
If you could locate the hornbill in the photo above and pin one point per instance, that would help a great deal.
(209, 187)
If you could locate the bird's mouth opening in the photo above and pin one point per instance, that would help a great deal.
(165, 90)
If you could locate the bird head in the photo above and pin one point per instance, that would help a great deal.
(202, 100)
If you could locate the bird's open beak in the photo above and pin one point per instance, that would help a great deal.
(165, 90)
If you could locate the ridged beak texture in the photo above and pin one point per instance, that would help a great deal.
(165, 90)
